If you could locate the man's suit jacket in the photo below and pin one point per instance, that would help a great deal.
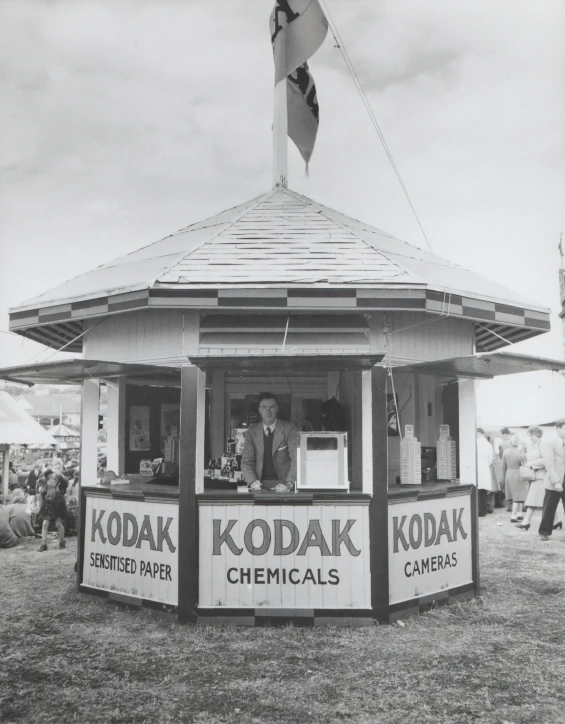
(553, 454)
(285, 442)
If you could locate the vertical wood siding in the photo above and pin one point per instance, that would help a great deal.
(143, 336)
(414, 566)
(151, 581)
(352, 591)
(431, 338)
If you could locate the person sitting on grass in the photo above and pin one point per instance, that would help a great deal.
(53, 509)
(18, 517)
(7, 536)
(13, 481)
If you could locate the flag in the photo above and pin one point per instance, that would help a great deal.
(298, 28)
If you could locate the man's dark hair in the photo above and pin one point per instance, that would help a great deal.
(505, 431)
(560, 423)
(267, 396)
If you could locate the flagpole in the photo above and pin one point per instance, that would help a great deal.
(280, 135)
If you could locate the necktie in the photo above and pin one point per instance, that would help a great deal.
(269, 432)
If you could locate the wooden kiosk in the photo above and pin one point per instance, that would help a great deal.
(283, 294)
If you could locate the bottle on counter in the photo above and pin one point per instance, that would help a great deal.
(230, 447)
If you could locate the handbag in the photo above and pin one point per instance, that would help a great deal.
(527, 474)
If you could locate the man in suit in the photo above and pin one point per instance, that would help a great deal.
(553, 454)
(269, 453)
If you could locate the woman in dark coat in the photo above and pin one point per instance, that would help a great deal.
(32, 478)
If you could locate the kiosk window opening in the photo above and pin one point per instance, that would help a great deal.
(321, 443)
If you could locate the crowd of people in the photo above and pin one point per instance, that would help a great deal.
(42, 502)
(524, 477)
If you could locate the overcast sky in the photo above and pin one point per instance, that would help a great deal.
(123, 121)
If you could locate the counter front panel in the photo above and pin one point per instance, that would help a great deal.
(431, 546)
(130, 547)
(309, 556)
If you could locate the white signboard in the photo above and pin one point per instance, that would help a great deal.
(429, 546)
(130, 547)
(287, 556)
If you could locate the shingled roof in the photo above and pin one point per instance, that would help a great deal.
(293, 249)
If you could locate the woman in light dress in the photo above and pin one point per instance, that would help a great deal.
(536, 492)
(516, 488)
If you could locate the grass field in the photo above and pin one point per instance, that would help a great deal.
(499, 658)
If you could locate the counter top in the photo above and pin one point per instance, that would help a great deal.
(145, 487)
(138, 487)
(438, 489)
(268, 497)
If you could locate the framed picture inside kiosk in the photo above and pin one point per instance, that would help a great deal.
(139, 430)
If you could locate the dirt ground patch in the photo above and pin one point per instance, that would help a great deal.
(499, 658)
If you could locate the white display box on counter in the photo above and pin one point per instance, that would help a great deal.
(322, 461)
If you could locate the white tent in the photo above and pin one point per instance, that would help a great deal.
(17, 428)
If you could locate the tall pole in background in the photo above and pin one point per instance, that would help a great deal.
(280, 134)
(562, 294)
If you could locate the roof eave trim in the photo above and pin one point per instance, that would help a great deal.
(25, 307)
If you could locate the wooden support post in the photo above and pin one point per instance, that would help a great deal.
(200, 430)
(89, 431)
(116, 426)
(367, 432)
(378, 509)
(5, 469)
(467, 433)
(88, 455)
(191, 381)
(475, 539)
(468, 461)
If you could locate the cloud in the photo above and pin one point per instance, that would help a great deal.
(123, 121)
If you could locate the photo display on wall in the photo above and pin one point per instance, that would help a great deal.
(139, 436)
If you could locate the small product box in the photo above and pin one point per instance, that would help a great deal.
(446, 455)
(145, 468)
(410, 458)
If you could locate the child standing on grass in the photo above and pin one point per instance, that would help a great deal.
(53, 509)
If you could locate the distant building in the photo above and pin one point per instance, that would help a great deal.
(53, 408)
